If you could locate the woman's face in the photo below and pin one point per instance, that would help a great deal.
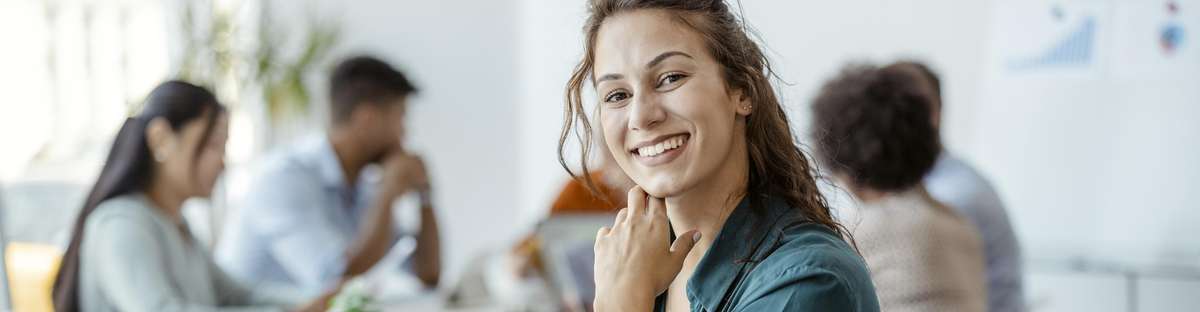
(210, 162)
(668, 118)
(194, 163)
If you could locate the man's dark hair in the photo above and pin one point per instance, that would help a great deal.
(361, 80)
(873, 126)
(926, 73)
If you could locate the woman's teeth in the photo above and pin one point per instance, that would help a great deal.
(665, 145)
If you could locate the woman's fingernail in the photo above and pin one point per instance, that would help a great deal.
(696, 236)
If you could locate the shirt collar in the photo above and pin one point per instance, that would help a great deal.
(327, 164)
(741, 240)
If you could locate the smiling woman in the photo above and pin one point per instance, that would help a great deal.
(688, 112)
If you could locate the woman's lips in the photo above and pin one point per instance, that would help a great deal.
(662, 152)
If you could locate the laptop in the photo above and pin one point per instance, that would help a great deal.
(568, 254)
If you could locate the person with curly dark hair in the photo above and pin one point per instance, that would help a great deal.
(873, 130)
(959, 185)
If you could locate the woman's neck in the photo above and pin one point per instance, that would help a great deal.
(706, 206)
(169, 201)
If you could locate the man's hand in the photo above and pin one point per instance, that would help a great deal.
(404, 173)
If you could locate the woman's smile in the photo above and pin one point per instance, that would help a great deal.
(661, 150)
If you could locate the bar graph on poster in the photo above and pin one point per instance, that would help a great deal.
(1076, 48)
(1086, 123)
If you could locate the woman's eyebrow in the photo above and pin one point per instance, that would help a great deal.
(662, 57)
(609, 77)
(654, 62)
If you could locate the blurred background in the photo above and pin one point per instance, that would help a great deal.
(1083, 113)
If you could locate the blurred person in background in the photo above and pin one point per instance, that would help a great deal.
(321, 212)
(958, 185)
(130, 248)
(689, 113)
(576, 197)
(604, 196)
(611, 186)
(873, 131)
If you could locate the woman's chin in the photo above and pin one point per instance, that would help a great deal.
(661, 186)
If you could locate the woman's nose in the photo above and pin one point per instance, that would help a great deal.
(645, 112)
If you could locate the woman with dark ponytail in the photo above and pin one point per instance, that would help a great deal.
(130, 248)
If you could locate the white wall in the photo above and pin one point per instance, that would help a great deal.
(550, 44)
(1097, 160)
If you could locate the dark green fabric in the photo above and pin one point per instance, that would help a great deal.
(768, 258)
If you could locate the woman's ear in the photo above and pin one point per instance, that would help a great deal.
(744, 106)
(161, 139)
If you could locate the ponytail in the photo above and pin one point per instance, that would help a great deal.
(126, 169)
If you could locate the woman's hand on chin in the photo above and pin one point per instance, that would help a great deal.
(634, 259)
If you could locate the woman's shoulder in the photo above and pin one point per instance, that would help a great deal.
(120, 227)
(813, 247)
(797, 245)
(121, 212)
(812, 263)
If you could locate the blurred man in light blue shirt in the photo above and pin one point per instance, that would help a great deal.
(958, 185)
(320, 212)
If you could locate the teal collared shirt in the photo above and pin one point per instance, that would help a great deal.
(769, 258)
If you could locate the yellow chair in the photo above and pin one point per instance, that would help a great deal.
(31, 272)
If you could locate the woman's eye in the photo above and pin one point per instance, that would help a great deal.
(616, 97)
(670, 78)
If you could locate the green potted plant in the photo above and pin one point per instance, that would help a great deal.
(260, 73)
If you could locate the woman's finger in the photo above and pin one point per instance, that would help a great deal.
(656, 207)
(601, 238)
(683, 245)
(622, 215)
(636, 201)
